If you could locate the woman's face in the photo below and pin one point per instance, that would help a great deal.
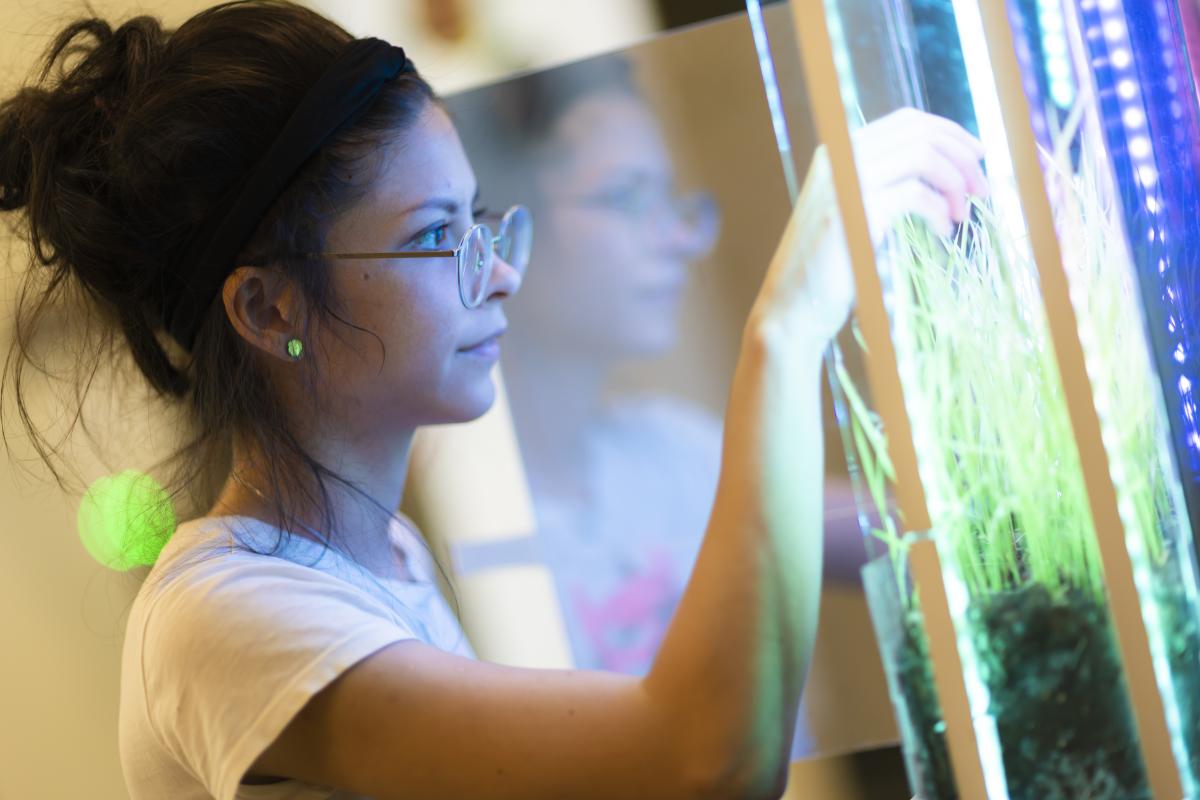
(439, 353)
(611, 259)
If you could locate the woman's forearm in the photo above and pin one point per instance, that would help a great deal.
(734, 659)
(733, 663)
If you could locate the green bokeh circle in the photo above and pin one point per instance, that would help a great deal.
(124, 520)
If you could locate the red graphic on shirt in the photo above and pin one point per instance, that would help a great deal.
(626, 627)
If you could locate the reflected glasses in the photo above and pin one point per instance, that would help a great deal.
(475, 253)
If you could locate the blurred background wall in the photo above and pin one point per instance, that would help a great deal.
(62, 615)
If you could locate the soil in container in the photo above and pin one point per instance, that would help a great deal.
(1181, 630)
(1058, 696)
(927, 737)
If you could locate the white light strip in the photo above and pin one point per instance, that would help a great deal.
(766, 65)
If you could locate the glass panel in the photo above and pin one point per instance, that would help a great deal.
(993, 438)
(623, 338)
(1114, 110)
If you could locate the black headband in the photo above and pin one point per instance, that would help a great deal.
(347, 86)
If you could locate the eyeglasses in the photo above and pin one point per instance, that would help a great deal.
(475, 253)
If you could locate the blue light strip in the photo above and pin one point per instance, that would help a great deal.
(1055, 54)
(1143, 99)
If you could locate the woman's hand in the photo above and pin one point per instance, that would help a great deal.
(909, 162)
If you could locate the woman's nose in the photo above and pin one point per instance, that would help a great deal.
(689, 229)
(505, 279)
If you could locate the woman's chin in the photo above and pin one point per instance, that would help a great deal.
(650, 342)
(472, 406)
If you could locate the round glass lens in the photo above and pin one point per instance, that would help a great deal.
(516, 238)
(475, 265)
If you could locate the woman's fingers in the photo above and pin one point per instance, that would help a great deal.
(913, 196)
(902, 123)
(942, 161)
(966, 161)
(929, 164)
(907, 157)
(963, 149)
(908, 143)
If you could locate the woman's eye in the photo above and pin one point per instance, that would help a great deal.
(629, 198)
(433, 239)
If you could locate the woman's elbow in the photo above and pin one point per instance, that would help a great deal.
(754, 776)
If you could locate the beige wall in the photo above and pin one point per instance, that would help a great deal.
(62, 614)
(62, 617)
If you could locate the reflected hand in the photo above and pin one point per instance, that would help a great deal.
(909, 162)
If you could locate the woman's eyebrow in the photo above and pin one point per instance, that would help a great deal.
(447, 204)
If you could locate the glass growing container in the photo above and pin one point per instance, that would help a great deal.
(904, 650)
(993, 438)
(1112, 99)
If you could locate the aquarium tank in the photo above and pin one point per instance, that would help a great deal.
(994, 443)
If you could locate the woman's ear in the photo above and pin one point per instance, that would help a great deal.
(264, 307)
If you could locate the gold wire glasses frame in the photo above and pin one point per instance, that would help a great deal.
(512, 242)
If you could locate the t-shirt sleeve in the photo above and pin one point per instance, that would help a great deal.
(235, 647)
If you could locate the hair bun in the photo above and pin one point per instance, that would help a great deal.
(16, 155)
(75, 105)
(129, 56)
(110, 69)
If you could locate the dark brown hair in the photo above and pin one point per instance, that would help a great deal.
(117, 152)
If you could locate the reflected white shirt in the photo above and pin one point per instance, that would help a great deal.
(620, 563)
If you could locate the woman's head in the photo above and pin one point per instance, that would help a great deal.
(421, 363)
(585, 150)
(135, 135)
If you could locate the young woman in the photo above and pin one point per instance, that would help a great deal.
(201, 187)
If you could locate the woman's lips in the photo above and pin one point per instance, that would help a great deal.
(488, 349)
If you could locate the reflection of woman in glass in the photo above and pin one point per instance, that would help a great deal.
(621, 489)
(622, 485)
(292, 635)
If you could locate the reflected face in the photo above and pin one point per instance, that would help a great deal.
(611, 257)
(439, 353)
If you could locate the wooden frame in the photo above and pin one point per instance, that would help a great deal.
(1000, 76)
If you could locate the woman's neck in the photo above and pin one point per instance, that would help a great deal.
(359, 528)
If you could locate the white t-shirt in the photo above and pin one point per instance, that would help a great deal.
(621, 560)
(222, 649)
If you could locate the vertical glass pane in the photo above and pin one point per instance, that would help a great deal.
(992, 434)
(1114, 109)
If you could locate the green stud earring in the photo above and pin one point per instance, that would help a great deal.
(295, 348)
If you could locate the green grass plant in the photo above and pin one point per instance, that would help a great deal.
(993, 436)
